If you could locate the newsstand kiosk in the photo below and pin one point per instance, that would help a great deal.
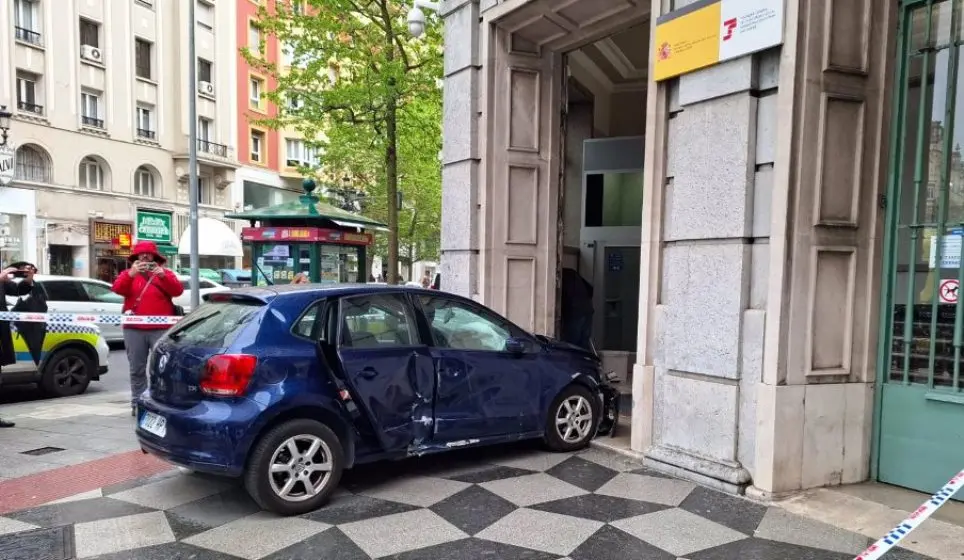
(324, 242)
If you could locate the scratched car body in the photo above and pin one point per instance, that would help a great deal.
(286, 386)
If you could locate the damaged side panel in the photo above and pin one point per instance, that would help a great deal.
(394, 388)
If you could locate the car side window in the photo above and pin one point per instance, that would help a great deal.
(459, 326)
(205, 284)
(377, 321)
(100, 293)
(305, 326)
(65, 290)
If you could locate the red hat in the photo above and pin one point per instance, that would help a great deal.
(146, 247)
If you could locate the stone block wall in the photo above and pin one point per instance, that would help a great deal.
(710, 316)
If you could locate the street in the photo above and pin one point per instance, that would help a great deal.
(73, 484)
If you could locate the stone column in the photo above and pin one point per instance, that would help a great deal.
(709, 170)
(815, 399)
(461, 155)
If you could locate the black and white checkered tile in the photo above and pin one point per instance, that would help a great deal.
(503, 504)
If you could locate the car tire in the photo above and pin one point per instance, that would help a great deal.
(67, 372)
(266, 488)
(570, 406)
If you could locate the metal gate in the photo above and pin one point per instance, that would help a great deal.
(920, 423)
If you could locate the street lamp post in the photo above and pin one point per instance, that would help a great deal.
(192, 160)
(4, 124)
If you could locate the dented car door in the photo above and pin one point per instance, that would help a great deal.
(388, 368)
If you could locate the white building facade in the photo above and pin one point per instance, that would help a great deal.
(98, 92)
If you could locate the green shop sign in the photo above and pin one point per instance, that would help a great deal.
(154, 226)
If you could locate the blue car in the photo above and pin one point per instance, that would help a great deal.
(287, 386)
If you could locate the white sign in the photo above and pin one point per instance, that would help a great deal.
(949, 290)
(749, 26)
(7, 163)
(950, 251)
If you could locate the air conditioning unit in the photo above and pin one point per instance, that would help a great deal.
(90, 52)
(207, 88)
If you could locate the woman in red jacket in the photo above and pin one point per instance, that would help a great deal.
(148, 289)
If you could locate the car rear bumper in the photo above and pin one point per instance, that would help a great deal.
(205, 438)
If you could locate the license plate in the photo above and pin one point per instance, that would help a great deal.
(154, 423)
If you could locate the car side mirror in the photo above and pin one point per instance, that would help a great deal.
(515, 346)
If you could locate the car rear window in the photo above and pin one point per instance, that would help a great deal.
(215, 324)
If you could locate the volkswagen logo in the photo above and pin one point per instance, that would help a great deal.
(162, 363)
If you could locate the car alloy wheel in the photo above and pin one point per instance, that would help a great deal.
(295, 467)
(300, 468)
(574, 419)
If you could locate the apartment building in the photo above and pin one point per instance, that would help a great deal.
(98, 90)
(269, 159)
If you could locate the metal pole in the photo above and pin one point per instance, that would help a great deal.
(192, 159)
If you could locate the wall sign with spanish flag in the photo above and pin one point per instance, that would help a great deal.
(708, 32)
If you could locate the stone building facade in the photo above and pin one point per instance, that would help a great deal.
(762, 236)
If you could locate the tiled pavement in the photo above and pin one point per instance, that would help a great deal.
(502, 504)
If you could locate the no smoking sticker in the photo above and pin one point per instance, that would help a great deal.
(949, 289)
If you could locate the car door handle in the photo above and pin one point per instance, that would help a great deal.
(368, 373)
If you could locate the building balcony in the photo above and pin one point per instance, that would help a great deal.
(32, 108)
(28, 36)
(146, 134)
(213, 148)
(92, 122)
(219, 156)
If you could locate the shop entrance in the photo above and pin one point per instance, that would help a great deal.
(921, 406)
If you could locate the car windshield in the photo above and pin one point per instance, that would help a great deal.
(215, 324)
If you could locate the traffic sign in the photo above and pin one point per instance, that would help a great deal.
(949, 290)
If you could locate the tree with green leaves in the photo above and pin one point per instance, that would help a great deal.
(365, 94)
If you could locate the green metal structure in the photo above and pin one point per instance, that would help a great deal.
(307, 236)
(919, 427)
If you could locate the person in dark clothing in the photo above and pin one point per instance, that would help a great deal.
(9, 287)
(577, 310)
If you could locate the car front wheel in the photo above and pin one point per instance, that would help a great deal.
(295, 467)
(572, 419)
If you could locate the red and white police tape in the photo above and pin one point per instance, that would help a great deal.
(88, 318)
(890, 540)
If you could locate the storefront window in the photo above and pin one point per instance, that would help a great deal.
(339, 264)
(276, 264)
(13, 237)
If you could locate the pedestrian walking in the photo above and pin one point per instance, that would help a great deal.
(300, 278)
(148, 289)
(9, 287)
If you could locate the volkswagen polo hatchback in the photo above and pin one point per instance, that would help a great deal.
(287, 386)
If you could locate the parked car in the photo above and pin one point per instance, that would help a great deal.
(205, 286)
(203, 273)
(71, 357)
(235, 278)
(286, 386)
(69, 294)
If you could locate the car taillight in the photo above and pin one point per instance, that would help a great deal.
(228, 375)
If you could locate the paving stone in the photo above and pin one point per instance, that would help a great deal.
(734, 512)
(122, 533)
(80, 511)
(47, 544)
(585, 474)
(540, 530)
(402, 532)
(473, 509)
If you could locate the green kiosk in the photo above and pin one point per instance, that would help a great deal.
(326, 243)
